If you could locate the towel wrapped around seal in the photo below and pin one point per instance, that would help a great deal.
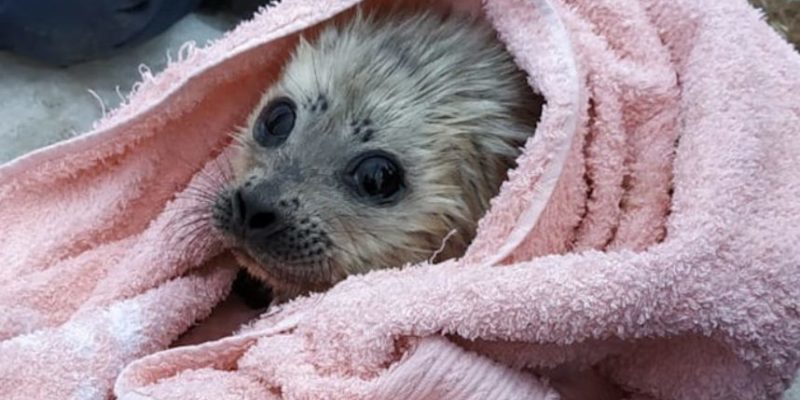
(649, 231)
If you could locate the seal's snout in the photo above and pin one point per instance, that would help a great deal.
(255, 216)
(272, 230)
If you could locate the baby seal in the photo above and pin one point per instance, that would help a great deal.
(381, 144)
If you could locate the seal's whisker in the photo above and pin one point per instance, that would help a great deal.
(380, 144)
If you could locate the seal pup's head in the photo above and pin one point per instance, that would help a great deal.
(383, 136)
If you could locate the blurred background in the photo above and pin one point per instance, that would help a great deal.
(784, 16)
(60, 59)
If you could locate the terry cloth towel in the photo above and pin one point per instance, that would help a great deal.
(650, 230)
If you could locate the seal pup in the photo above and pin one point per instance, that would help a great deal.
(380, 145)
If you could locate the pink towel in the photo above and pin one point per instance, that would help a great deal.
(650, 230)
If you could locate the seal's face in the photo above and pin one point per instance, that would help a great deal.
(379, 139)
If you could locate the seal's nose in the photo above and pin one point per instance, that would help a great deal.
(256, 214)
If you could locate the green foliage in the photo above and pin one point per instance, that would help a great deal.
(784, 16)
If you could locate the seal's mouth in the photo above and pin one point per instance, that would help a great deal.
(267, 273)
(243, 258)
(253, 267)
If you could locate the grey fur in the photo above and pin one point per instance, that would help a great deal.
(438, 92)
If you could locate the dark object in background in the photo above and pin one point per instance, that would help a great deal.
(239, 8)
(253, 292)
(65, 32)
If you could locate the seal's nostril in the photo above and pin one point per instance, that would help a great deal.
(255, 215)
(239, 207)
(261, 220)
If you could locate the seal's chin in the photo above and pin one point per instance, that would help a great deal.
(243, 258)
(278, 276)
(255, 268)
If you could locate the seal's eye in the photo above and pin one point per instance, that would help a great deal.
(275, 122)
(378, 178)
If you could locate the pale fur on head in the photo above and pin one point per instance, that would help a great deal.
(438, 92)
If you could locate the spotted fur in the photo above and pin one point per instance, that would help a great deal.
(438, 92)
